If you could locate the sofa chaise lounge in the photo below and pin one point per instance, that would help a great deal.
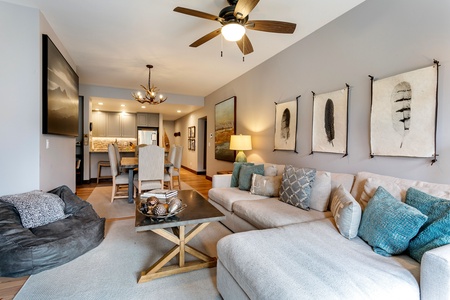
(283, 252)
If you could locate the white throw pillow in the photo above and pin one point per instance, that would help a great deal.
(346, 212)
(266, 185)
(371, 185)
(321, 190)
(270, 170)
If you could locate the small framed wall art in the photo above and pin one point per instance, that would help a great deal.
(191, 132)
(403, 114)
(285, 137)
(330, 115)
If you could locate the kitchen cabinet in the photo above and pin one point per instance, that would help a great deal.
(147, 120)
(99, 123)
(111, 124)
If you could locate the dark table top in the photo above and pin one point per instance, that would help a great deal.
(198, 210)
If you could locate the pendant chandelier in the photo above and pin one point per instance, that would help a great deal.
(151, 92)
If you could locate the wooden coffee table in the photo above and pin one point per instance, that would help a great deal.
(199, 212)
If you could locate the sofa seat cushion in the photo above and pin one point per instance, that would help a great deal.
(313, 261)
(271, 212)
(227, 196)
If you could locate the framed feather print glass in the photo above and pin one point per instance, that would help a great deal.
(286, 125)
(403, 114)
(330, 116)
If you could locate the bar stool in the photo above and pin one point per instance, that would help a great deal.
(102, 164)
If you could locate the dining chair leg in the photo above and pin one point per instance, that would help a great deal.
(113, 191)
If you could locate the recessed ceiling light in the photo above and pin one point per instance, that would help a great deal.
(100, 103)
(178, 111)
(143, 106)
(123, 105)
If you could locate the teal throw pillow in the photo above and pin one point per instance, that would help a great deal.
(235, 175)
(296, 186)
(436, 230)
(245, 175)
(388, 224)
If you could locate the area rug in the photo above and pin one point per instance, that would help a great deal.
(100, 199)
(111, 270)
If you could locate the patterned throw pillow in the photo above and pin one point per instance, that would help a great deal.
(436, 231)
(388, 224)
(266, 185)
(296, 186)
(245, 175)
(346, 212)
(235, 175)
(37, 208)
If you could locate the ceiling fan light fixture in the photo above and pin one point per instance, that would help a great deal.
(233, 32)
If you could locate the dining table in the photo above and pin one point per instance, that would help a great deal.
(132, 163)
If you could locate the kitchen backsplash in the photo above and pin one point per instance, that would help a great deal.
(101, 144)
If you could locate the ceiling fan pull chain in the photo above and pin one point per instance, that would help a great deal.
(221, 47)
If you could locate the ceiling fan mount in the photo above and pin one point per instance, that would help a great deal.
(238, 13)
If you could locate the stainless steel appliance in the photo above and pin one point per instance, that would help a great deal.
(147, 135)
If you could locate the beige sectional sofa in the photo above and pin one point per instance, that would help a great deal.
(280, 251)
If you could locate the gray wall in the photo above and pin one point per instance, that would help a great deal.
(379, 38)
(26, 163)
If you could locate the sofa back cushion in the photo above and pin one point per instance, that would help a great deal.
(434, 189)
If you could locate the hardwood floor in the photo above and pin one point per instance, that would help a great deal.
(9, 287)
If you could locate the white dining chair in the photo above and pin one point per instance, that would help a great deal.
(150, 169)
(169, 171)
(118, 179)
(177, 165)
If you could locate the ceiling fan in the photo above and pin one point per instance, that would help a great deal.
(234, 20)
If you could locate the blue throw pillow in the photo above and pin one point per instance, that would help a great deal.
(235, 175)
(436, 231)
(245, 175)
(388, 224)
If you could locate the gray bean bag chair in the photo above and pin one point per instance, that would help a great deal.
(26, 251)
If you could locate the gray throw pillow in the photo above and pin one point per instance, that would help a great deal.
(296, 186)
(37, 208)
(346, 212)
(245, 175)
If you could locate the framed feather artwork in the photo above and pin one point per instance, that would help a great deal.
(330, 122)
(286, 125)
(403, 114)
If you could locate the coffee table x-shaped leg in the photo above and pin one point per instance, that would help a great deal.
(180, 239)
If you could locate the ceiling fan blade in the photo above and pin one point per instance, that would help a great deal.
(271, 26)
(196, 13)
(244, 7)
(245, 45)
(205, 38)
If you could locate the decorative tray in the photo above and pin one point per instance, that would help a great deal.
(163, 216)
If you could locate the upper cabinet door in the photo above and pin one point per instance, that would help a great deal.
(128, 125)
(99, 123)
(147, 120)
(114, 125)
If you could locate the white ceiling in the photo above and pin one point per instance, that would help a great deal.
(111, 42)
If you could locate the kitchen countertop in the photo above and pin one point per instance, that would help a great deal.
(106, 150)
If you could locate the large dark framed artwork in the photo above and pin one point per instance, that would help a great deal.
(403, 114)
(225, 127)
(330, 118)
(285, 137)
(60, 92)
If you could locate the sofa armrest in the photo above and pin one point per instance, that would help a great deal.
(435, 274)
(221, 181)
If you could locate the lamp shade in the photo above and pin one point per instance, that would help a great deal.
(241, 142)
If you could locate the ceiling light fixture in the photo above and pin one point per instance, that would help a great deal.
(151, 92)
(233, 32)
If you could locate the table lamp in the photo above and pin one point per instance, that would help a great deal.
(240, 143)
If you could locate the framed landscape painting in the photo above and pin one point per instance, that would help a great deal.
(330, 122)
(403, 114)
(224, 128)
(285, 137)
(60, 92)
